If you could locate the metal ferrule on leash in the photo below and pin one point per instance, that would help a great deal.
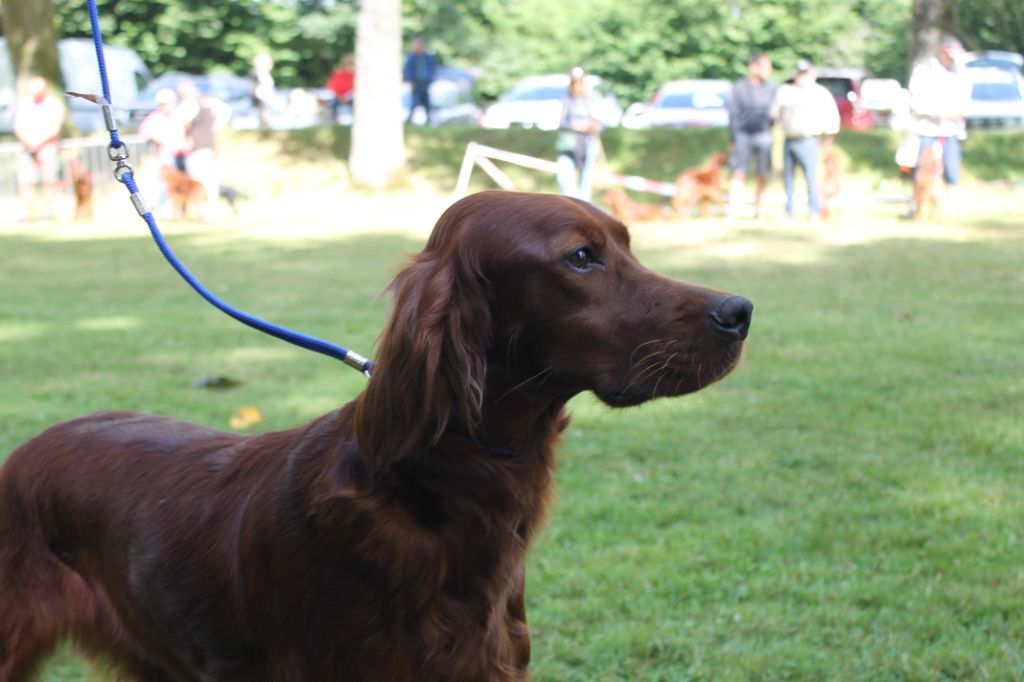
(357, 361)
(117, 151)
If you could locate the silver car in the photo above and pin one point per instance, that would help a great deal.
(536, 102)
(682, 104)
(997, 92)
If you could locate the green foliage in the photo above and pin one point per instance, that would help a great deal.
(639, 45)
(636, 46)
(992, 24)
(305, 41)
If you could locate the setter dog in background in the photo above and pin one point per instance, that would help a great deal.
(926, 185)
(183, 191)
(700, 187)
(627, 210)
(830, 183)
(82, 186)
(385, 540)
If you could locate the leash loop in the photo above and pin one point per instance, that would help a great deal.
(121, 171)
(117, 151)
(117, 154)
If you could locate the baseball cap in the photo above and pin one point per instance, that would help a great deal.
(165, 96)
(804, 65)
(951, 45)
(576, 73)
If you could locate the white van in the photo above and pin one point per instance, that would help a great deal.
(125, 70)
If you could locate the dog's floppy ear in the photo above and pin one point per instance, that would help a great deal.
(431, 359)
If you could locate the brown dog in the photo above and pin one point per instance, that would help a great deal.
(700, 187)
(628, 211)
(384, 541)
(183, 192)
(82, 186)
(926, 185)
(830, 183)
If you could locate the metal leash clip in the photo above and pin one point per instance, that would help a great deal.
(119, 155)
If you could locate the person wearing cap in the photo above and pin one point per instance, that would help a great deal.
(940, 91)
(38, 119)
(750, 130)
(579, 138)
(807, 114)
(165, 128)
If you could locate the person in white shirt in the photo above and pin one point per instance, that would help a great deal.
(940, 91)
(807, 114)
(38, 119)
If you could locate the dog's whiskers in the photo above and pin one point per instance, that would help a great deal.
(664, 367)
(632, 355)
(642, 374)
(546, 370)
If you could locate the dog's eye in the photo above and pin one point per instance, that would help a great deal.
(582, 259)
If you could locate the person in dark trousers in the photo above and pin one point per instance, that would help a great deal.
(420, 67)
(750, 130)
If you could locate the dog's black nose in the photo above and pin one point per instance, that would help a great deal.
(732, 317)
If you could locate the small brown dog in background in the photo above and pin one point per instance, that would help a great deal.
(830, 184)
(626, 210)
(82, 186)
(926, 181)
(700, 187)
(183, 191)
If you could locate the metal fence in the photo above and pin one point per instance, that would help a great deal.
(91, 151)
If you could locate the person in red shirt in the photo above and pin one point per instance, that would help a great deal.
(343, 84)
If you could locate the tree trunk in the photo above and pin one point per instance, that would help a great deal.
(930, 21)
(29, 26)
(378, 147)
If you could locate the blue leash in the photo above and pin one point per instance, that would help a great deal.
(118, 153)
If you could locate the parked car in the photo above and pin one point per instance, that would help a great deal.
(845, 86)
(683, 103)
(451, 98)
(997, 97)
(126, 71)
(536, 102)
(235, 91)
(999, 59)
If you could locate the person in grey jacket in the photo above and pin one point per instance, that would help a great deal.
(750, 130)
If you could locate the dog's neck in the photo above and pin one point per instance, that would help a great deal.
(512, 420)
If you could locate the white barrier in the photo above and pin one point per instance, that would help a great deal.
(481, 155)
(91, 151)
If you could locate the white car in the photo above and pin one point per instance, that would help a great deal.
(126, 71)
(997, 98)
(683, 103)
(536, 102)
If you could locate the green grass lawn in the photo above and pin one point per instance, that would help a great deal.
(847, 506)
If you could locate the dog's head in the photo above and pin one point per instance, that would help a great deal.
(541, 294)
